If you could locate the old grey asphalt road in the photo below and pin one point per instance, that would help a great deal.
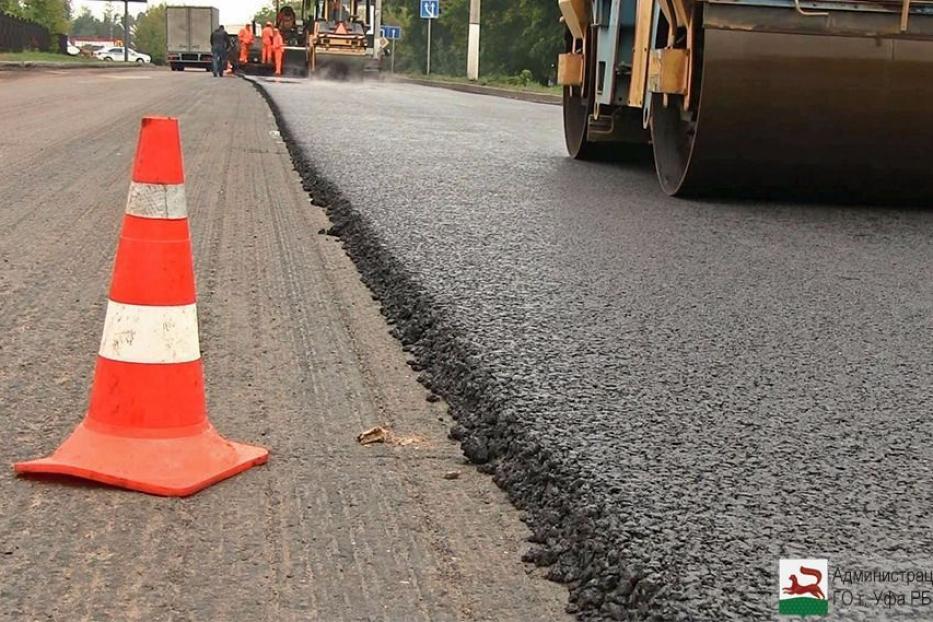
(297, 359)
(680, 393)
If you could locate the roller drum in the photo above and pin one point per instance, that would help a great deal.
(295, 62)
(340, 67)
(802, 114)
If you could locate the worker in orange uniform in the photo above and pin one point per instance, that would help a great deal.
(246, 41)
(278, 50)
(267, 33)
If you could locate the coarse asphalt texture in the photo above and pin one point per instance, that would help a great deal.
(679, 393)
(298, 359)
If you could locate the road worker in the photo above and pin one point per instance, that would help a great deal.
(267, 43)
(246, 41)
(278, 50)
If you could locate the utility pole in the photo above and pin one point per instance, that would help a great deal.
(377, 25)
(126, 31)
(126, 27)
(473, 42)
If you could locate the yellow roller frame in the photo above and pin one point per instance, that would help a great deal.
(667, 70)
(576, 16)
(570, 65)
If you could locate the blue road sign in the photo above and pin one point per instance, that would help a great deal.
(430, 9)
(392, 33)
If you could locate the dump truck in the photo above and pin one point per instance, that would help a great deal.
(188, 36)
(755, 95)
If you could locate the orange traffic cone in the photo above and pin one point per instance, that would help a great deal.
(146, 427)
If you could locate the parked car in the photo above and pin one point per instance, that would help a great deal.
(116, 54)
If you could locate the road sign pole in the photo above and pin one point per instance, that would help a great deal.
(126, 31)
(393, 55)
(430, 10)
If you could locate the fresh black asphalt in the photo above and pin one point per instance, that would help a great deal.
(678, 393)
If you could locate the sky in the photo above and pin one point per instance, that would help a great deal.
(231, 11)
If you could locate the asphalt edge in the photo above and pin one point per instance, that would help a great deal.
(566, 536)
(480, 89)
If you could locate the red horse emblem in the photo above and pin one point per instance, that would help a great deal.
(813, 589)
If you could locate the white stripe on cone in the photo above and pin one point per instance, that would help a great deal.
(157, 201)
(149, 334)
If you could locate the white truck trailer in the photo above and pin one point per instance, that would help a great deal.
(188, 36)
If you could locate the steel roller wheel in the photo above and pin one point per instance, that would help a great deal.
(673, 134)
(673, 128)
(629, 146)
(779, 114)
(577, 105)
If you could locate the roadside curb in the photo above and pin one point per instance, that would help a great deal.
(25, 65)
(479, 89)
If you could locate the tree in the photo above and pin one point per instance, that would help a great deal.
(517, 35)
(109, 21)
(118, 27)
(53, 14)
(85, 24)
(409, 54)
(11, 7)
(267, 13)
(150, 33)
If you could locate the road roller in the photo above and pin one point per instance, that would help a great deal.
(295, 55)
(331, 38)
(295, 37)
(811, 97)
(342, 32)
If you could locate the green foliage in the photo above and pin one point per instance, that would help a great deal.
(53, 14)
(267, 13)
(517, 36)
(11, 7)
(147, 29)
(524, 78)
(149, 34)
(85, 24)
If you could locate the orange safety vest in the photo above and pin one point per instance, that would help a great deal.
(267, 35)
(278, 43)
(246, 36)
